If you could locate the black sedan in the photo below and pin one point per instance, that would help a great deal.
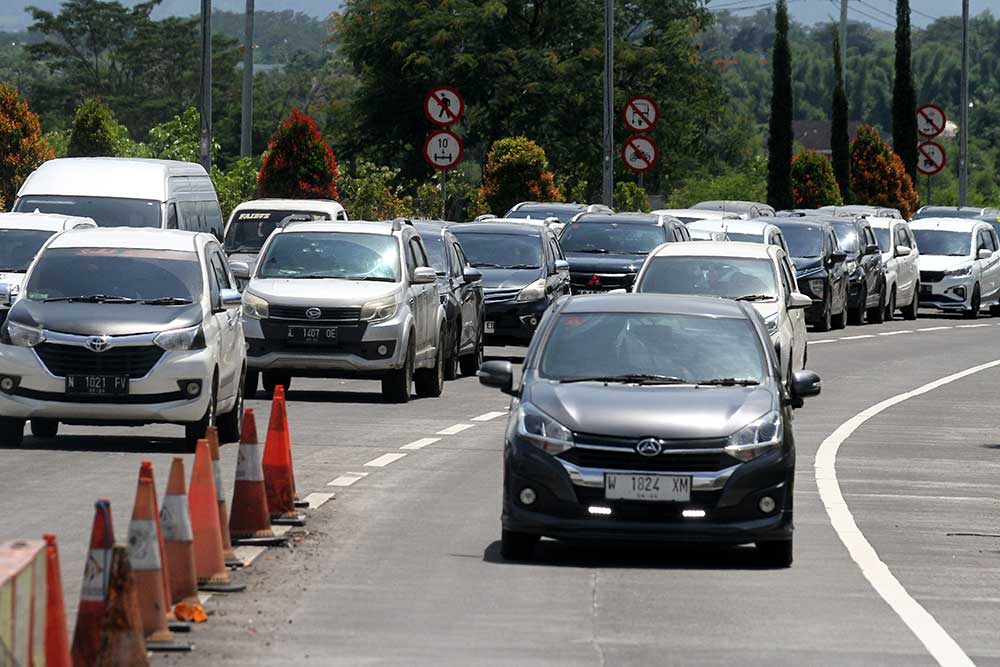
(820, 269)
(630, 425)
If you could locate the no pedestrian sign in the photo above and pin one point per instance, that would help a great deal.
(639, 153)
(931, 159)
(641, 114)
(930, 120)
(443, 150)
(443, 106)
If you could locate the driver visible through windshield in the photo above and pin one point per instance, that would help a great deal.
(344, 255)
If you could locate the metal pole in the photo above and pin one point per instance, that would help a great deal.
(444, 195)
(928, 190)
(246, 118)
(608, 182)
(843, 41)
(963, 160)
(205, 144)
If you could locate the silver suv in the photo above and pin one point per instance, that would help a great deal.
(344, 300)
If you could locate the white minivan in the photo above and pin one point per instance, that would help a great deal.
(125, 192)
(900, 257)
(959, 265)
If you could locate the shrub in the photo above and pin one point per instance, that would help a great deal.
(372, 192)
(748, 181)
(178, 138)
(813, 182)
(235, 185)
(878, 177)
(298, 163)
(22, 147)
(94, 131)
(517, 170)
(629, 196)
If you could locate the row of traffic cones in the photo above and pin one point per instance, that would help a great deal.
(134, 598)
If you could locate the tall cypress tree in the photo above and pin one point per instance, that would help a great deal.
(780, 138)
(904, 96)
(840, 141)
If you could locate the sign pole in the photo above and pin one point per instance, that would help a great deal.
(205, 141)
(963, 160)
(608, 180)
(444, 195)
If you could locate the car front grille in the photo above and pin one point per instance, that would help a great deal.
(63, 360)
(326, 314)
(499, 295)
(620, 454)
(931, 276)
(605, 281)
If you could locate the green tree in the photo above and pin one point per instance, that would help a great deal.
(236, 184)
(748, 181)
(94, 131)
(517, 170)
(813, 182)
(878, 176)
(904, 96)
(374, 192)
(22, 147)
(629, 196)
(298, 163)
(780, 138)
(840, 140)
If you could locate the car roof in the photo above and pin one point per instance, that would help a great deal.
(948, 224)
(431, 226)
(134, 178)
(318, 205)
(530, 205)
(130, 237)
(624, 218)
(645, 302)
(50, 222)
(757, 225)
(356, 226)
(812, 222)
(493, 227)
(886, 223)
(716, 249)
(699, 213)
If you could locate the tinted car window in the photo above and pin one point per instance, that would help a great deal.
(938, 242)
(728, 277)
(434, 245)
(747, 238)
(351, 256)
(106, 211)
(613, 238)
(18, 247)
(804, 241)
(251, 227)
(506, 251)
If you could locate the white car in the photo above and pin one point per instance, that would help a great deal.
(900, 258)
(124, 327)
(755, 230)
(758, 273)
(959, 265)
(688, 215)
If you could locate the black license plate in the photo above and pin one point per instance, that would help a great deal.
(97, 385)
(313, 335)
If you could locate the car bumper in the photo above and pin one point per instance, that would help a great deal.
(948, 294)
(513, 321)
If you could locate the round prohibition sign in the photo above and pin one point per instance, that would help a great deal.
(931, 159)
(931, 120)
(639, 153)
(443, 150)
(443, 106)
(641, 114)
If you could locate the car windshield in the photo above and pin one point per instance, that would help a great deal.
(115, 274)
(803, 241)
(106, 211)
(684, 347)
(344, 255)
(502, 251)
(748, 238)
(434, 245)
(939, 242)
(18, 247)
(847, 237)
(540, 213)
(611, 238)
(251, 227)
(882, 236)
(728, 277)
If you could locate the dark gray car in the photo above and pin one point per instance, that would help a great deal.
(646, 417)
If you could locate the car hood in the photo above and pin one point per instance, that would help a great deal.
(104, 319)
(330, 292)
(581, 262)
(942, 262)
(669, 412)
(509, 278)
(807, 264)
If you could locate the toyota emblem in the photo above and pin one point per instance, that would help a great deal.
(97, 343)
(649, 447)
(314, 313)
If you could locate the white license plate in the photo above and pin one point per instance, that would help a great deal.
(491, 327)
(634, 486)
(589, 291)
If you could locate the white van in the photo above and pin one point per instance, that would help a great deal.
(125, 192)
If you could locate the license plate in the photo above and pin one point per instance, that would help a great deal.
(97, 385)
(633, 486)
(491, 327)
(589, 291)
(318, 335)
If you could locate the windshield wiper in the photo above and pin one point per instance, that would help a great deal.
(753, 297)
(593, 251)
(166, 301)
(730, 382)
(632, 378)
(485, 265)
(92, 298)
(244, 248)
(520, 266)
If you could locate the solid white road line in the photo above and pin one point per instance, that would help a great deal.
(934, 329)
(820, 342)
(938, 642)
(858, 337)
(972, 326)
(280, 530)
(248, 554)
(204, 597)
(896, 333)
(348, 479)
(421, 443)
(384, 460)
(317, 500)
(488, 416)
(457, 428)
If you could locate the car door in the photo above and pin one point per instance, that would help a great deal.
(560, 280)
(905, 264)
(470, 295)
(992, 265)
(227, 320)
(426, 302)
(795, 316)
(871, 263)
(981, 271)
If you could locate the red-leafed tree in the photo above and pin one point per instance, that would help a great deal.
(878, 176)
(813, 182)
(298, 163)
(22, 147)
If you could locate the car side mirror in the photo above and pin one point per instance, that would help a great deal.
(562, 266)
(471, 275)
(903, 250)
(241, 270)
(497, 374)
(984, 253)
(799, 300)
(230, 298)
(872, 249)
(805, 384)
(4, 294)
(424, 275)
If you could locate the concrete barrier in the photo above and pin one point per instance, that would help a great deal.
(22, 603)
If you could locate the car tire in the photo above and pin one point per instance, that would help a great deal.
(196, 431)
(11, 432)
(250, 383)
(272, 379)
(470, 363)
(910, 311)
(778, 553)
(825, 322)
(856, 316)
(396, 384)
(451, 363)
(517, 546)
(890, 307)
(974, 304)
(44, 428)
(231, 424)
(876, 315)
(429, 382)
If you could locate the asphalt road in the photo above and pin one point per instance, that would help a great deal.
(403, 566)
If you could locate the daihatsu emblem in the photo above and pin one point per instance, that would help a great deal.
(649, 447)
(98, 343)
(314, 313)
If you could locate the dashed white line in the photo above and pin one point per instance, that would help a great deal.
(972, 326)
(348, 479)
(421, 443)
(455, 429)
(896, 333)
(488, 416)
(384, 460)
(204, 597)
(858, 337)
(317, 500)
(934, 329)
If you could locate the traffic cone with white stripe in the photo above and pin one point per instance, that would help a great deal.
(203, 505)
(212, 435)
(250, 522)
(121, 643)
(94, 591)
(279, 480)
(178, 546)
(173, 623)
(147, 566)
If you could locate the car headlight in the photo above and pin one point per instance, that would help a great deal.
(380, 309)
(852, 267)
(772, 324)
(816, 286)
(756, 438)
(22, 335)
(191, 338)
(542, 431)
(533, 292)
(960, 272)
(254, 307)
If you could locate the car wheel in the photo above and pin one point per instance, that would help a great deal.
(11, 432)
(517, 546)
(250, 382)
(231, 423)
(44, 428)
(974, 303)
(910, 311)
(272, 380)
(196, 431)
(429, 382)
(825, 320)
(890, 307)
(396, 384)
(451, 363)
(775, 554)
(470, 363)
(876, 315)
(856, 316)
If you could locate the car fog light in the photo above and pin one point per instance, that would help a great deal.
(191, 388)
(766, 504)
(382, 350)
(528, 496)
(597, 509)
(693, 514)
(7, 384)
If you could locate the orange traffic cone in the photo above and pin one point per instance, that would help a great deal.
(175, 625)
(250, 522)
(178, 546)
(210, 566)
(94, 591)
(279, 480)
(147, 566)
(212, 435)
(121, 644)
(56, 639)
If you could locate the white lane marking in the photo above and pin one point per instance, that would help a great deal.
(896, 333)
(858, 337)
(248, 554)
(317, 500)
(204, 597)
(488, 416)
(972, 326)
(280, 530)
(820, 342)
(421, 443)
(938, 642)
(348, 479)
(384, 460)
(455, 429)
(934, 329)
